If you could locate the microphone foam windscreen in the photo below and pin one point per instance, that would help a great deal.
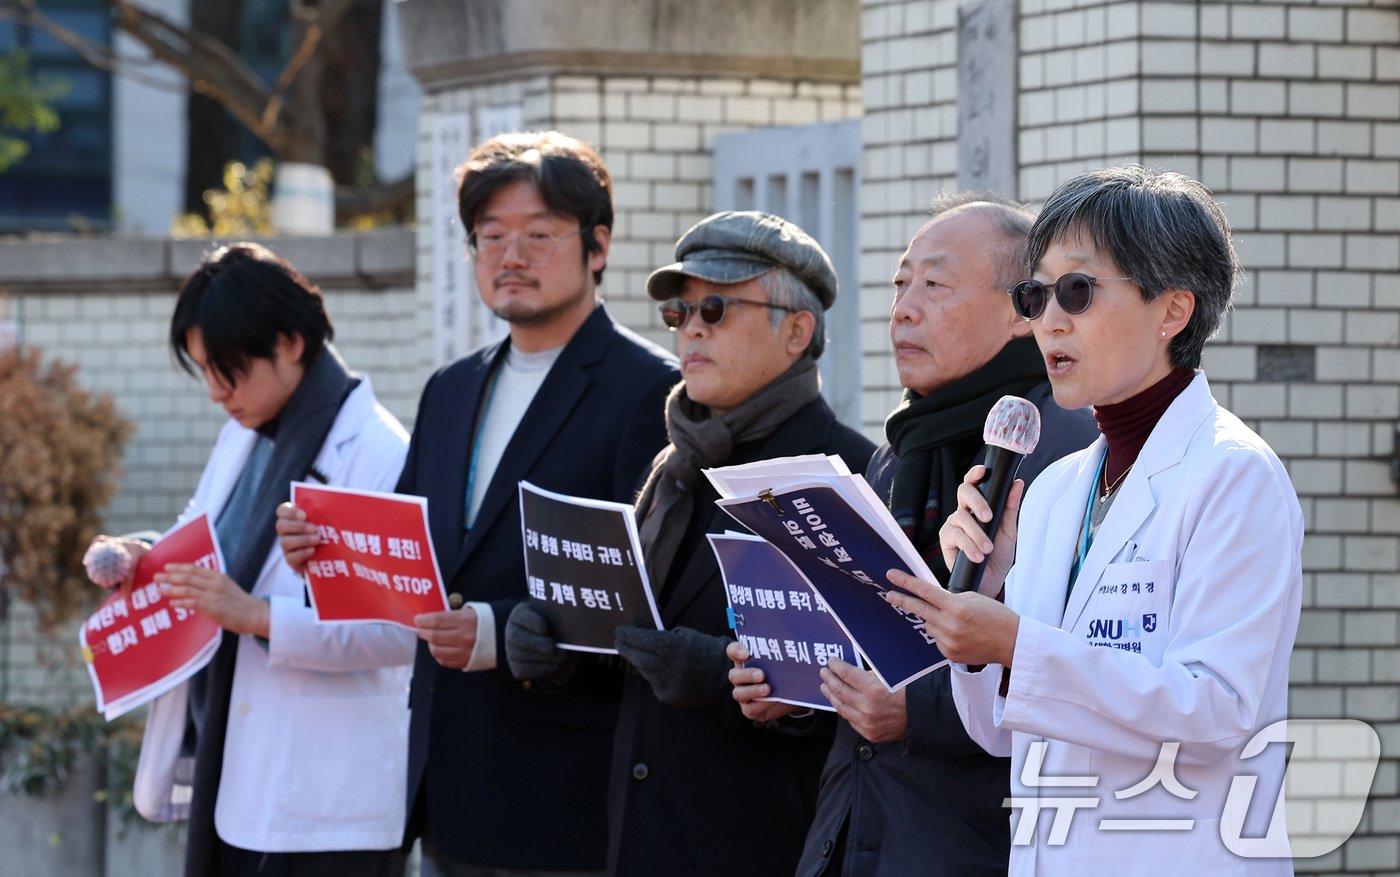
(1014, 424)
(107, 564)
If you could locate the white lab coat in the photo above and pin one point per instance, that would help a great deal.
(316, 752)
(1210, 518)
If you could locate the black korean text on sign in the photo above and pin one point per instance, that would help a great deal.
(581, 571)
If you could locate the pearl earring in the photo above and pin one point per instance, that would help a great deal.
(1164, 334)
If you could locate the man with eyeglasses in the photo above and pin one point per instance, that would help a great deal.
(746, 298)
(505, 780)
(905, 790)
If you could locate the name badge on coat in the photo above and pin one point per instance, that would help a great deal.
(1130, 609)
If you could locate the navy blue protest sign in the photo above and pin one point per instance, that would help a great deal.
(583, 568)
(845, 559)
(786, 627)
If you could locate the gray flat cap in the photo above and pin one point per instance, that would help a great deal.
(735, 246)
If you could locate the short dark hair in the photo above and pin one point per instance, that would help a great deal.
(242, 298)
(1012, 219)
(569, 174)
(1163, 229)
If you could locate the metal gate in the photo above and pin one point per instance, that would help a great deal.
(808, 175)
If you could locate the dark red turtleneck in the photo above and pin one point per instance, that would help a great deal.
(1127, 424)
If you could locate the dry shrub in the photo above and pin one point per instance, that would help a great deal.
(60, 461)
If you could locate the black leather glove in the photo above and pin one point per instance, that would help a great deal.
(531, 649)
(685, 668)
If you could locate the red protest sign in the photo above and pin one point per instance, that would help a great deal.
(375, 561)
(137, 646)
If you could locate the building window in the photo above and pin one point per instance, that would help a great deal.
(65, 182)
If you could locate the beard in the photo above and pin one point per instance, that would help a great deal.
(519, 313)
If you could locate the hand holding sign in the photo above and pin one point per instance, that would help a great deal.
(138, 645)
(531, 649)
(296, 536)
(878, 714)
(841, 539)
(971, 628)
(216, 597)
(450, 635)
(752, 691)
(581, 568)
(786, 634)
(685, 668)
(374, 560)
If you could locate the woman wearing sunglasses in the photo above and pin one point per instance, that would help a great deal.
(1152, 581)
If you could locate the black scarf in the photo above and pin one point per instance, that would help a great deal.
(936, 437)
(302, 427)
(700, 440)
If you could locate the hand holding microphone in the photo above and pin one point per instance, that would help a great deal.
(1011, 432)
(111, 560)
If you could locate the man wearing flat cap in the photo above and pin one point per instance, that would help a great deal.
(746, 298)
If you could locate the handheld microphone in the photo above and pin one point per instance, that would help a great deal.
(1012, 431)
(107, 564)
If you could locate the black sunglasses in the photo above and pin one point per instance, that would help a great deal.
(1074, 292)
(676, 311)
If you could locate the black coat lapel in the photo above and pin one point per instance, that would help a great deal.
(442, 475)
(546, 417)
(700, 574)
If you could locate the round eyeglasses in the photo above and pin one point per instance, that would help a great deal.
(1073, 291)
(534, 247)
(676, 311)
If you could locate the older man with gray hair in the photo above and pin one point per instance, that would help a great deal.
(906, 790)
(746, 299)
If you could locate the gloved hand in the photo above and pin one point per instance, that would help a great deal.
(531, 649)
(685, 668)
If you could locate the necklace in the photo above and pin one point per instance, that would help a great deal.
(1109, 488)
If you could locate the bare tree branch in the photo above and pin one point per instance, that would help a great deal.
(90, 51)
(213, 69)
(280, 116)
(99, 55)
(394, 197)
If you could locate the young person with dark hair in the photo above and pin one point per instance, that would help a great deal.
(502, 778)
(243, 301)
(286, 753)
(569, 175)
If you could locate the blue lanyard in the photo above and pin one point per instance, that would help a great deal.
(1087, 538)
(476, 443)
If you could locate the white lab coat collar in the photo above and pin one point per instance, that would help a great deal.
(358, 408)
(1136, 498)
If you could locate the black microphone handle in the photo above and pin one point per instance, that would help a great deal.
(995, 485)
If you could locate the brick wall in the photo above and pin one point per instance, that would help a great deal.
(656, 134)
(909, 88)
(105, 306)
(1290, 112)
